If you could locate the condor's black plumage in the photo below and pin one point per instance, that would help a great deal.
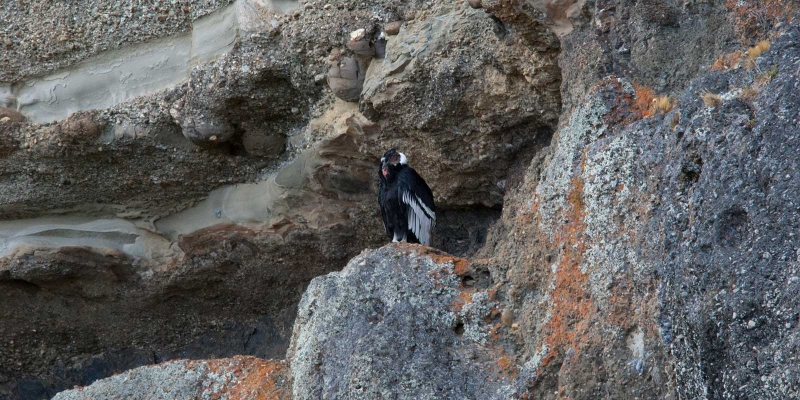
(406, 201)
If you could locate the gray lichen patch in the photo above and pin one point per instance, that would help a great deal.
(388, 326)
(585, 125)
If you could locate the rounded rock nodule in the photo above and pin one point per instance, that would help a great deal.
(11, 115)
(207, 131)
(393, 28)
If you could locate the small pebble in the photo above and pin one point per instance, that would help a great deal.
(393, 28)
(358, 34)
(475, 3)
(751, 324)
(507, 317)
(639, 366)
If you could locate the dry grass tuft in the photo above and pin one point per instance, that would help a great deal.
(759, 82)
(711, 99)
(755, 51)
(748, 94)
(759, 49)
(663, 104)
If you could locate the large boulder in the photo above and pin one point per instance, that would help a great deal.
(651, 251)
(464, 118)
(233, 378)
(401, 322)
(729, 250)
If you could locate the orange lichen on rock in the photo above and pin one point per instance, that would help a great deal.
(464, 298)
(267, 380)
(507, 367)
(643, 102)
(255, 378)
(460, 265)
(571, 307)
(621, 306)
(628, 107)
(754, 18)
(728, 61)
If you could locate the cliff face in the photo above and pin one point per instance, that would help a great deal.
(199, 175)
(621, 174)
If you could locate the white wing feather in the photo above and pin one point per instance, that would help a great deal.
(418, 220)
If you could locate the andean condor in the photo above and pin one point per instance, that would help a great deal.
(406, 201)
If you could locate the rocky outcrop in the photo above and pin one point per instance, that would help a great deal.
(234, 378)
(490, 96)
(97, 279)
(649, 253)
(635, 254)
(400, 322)
(730, 253)
(183, 217)
(642, 155)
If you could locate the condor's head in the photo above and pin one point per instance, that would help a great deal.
(391, 161)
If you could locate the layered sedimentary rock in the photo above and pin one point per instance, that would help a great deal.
(47, 81)
(646, 249)
(186, 222)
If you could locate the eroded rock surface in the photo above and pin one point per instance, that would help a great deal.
(186, 222)
(400, 322)
(234, 378)
(490, 96)
(46, 36)
(649, 251)
(731, 266)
